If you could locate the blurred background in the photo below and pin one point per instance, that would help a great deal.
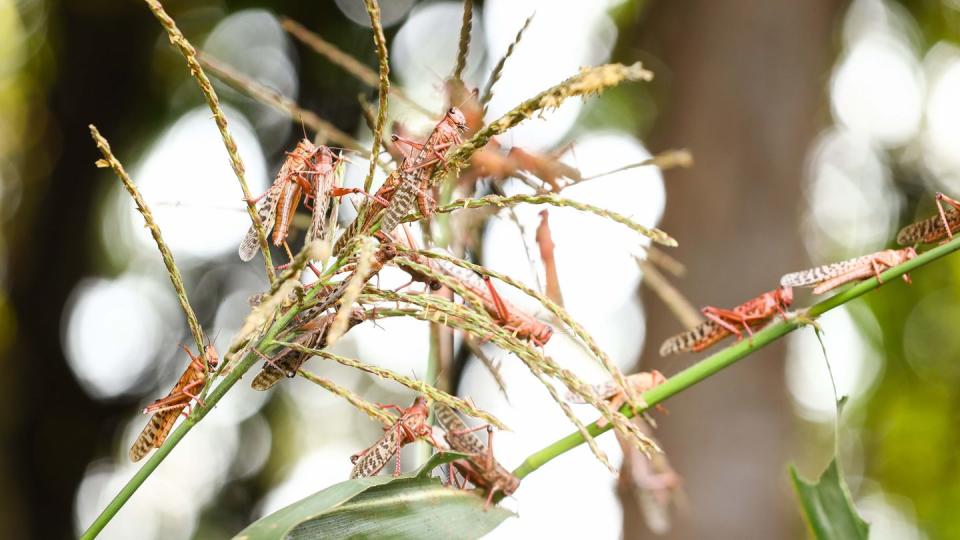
(817, 128)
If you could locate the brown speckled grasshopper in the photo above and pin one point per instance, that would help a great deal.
(411, 426)
(935, 228)
(166, 410)
(309, 170)
(480, 469)
(830, 276)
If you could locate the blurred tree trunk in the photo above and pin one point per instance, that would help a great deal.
(52, 429)
(742, 86)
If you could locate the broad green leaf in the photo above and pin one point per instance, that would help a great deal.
(409, 506)
(278, 523)
(827, 506)
(415, 508)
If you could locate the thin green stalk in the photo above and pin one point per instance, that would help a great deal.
(727, 357)
(434, 360)
(664, 160)
(435, 363)
(198, 413)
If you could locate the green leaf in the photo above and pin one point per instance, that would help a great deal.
(415, 508)
(827, 506)
(437, 459)
(410, 506)
(278, 523)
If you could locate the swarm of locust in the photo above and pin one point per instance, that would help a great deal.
(460, 156)
(291, 322)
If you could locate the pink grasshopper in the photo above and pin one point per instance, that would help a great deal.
(480, 469)
(656, 484)
(415, 172)
(830, 276)
(309, 170)
(723, 322)
(166, 410)
(311, 334)
(411, 426)
(935, 228)
(510, 317)
(409, 181)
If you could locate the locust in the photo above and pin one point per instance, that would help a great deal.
(310, 327)
(411, 426)
(657, 485)
(830, 276)
(545, 242)
(410, 181)
(415, 175)
(166, 410)
(507, 315)
(308, 170)
(311, 334)
(614, 393)
(935, 228)
(721, 323)
(480, 468)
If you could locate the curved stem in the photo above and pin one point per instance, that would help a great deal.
(199, 412)
(727, 357)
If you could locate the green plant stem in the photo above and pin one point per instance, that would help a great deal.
(434, 359)
(199, 412)
(727, 357)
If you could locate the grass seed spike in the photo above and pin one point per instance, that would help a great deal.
(935, 228)
(830, 276)
(411, 426)
(166, 410)
(614, 394)
(481, 469)
(722, 322)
